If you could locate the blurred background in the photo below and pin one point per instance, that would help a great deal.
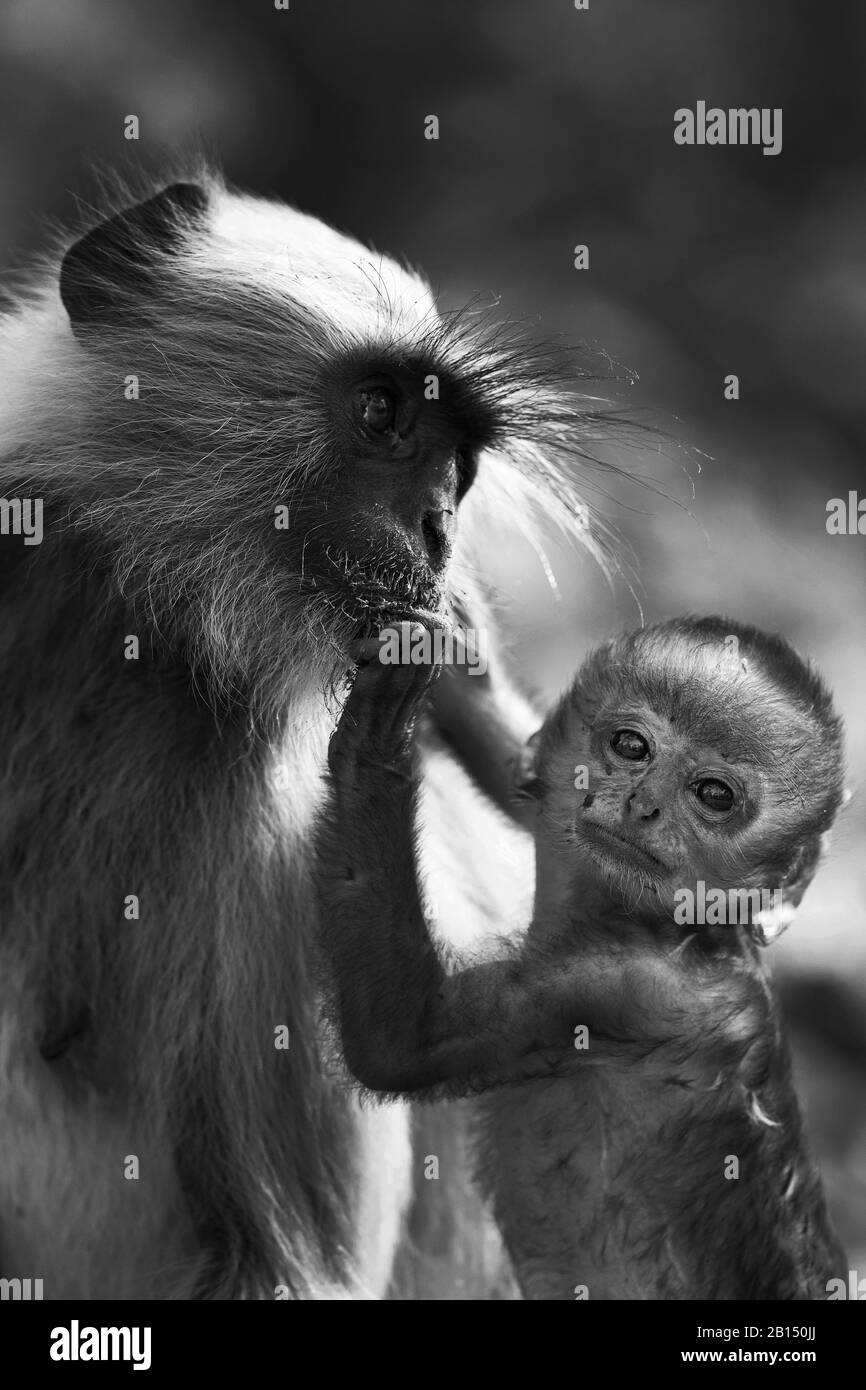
(556, 128)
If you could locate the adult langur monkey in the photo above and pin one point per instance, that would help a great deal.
(232, 440)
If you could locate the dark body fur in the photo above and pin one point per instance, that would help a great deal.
(155, 1037)
(613, 1180)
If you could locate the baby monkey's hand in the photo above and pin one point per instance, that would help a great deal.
(379, 716)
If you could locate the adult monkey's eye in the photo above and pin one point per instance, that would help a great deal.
(627, 744)
(377, 409)
(715, 795)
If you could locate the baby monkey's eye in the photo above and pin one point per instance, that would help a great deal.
(628, 744)
(715, 795)
(377, 409)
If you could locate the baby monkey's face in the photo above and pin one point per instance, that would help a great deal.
(698, 759)
(649, 806)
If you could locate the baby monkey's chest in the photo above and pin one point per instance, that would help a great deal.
(581, 1186)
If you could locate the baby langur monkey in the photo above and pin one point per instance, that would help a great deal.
(648, 1144)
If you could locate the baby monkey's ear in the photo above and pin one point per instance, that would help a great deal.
(769, 923)
(526, 783)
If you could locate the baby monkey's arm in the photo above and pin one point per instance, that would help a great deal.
(407, 1024)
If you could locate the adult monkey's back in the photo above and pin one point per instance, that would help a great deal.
(251, 437)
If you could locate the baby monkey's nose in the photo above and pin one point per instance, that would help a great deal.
(642, 805)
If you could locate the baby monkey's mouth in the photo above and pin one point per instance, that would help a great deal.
(601, 837)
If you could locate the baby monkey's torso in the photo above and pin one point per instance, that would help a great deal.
(605, 1174)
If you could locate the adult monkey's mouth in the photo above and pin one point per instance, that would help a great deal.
(386, 609)
(374, 600)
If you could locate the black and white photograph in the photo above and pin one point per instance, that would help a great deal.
(432, 664)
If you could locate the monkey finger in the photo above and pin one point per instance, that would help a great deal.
(398, 642)
(377, 719)
(382, 693)
(408, 688)
(381, 709)
(406, 650)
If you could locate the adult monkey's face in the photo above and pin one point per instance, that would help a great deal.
(305, 428)
(389, 510)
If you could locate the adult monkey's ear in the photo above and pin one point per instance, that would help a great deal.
(526, 783)
(119, 260)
